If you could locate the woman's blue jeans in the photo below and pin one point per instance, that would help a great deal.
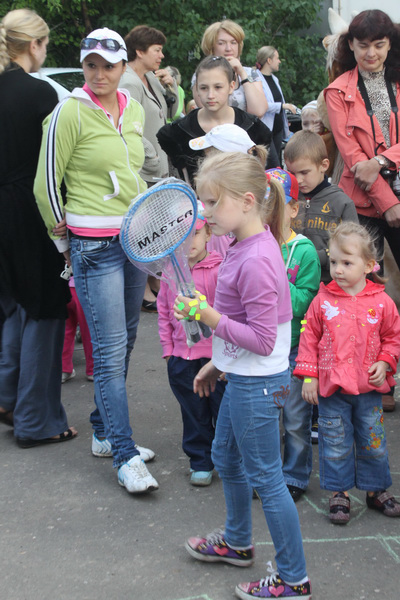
(110, 290)
(352, 443)
(246, 454)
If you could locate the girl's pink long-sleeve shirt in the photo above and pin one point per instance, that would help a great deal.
(253, 294)
(172, 334)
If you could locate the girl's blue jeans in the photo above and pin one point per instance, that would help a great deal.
(110, 290)
(352, 443)
(246, 454)
(199, 415)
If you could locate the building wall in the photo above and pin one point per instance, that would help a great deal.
(345, 8)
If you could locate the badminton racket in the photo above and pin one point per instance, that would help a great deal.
(156, 235)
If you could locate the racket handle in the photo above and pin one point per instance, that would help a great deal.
(192, 331)
(205, 330)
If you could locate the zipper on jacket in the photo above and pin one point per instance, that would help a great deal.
(307, 202)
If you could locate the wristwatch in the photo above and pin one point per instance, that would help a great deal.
(248, 79)
(382, 160)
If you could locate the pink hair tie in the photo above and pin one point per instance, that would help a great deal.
(258, 65)
(376, 267)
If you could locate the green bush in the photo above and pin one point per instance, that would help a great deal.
(279, 23)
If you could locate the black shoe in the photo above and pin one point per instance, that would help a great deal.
(295, 492)
(150, 307)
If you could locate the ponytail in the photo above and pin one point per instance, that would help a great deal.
(274, 210)
(17, 30)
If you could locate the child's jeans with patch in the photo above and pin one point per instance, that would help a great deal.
(352, 443)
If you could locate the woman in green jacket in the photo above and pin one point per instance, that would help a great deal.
(93, 141)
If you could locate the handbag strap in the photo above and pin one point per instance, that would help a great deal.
(370, 112)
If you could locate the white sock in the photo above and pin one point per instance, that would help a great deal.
(239, 547)
(297, 582)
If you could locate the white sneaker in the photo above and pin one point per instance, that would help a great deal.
(102, 448)
(67, 376)
(135, 477)
(145, 453)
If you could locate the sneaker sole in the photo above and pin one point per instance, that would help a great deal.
(340, 521)
(201, 482)
(102, 455)
(385, 514)
(244, 596)
(151, 488)
(206, 558)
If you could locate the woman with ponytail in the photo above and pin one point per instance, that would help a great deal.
(33, 297)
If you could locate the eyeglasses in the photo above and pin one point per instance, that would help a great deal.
(107, 44)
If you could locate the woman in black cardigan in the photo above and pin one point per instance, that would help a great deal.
(33, 297)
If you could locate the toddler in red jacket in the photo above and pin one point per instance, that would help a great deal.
(348, 355)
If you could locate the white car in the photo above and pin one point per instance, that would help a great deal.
(63, 80)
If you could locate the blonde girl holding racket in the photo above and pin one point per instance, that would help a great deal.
(251, 319)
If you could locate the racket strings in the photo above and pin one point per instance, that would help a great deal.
(161, 222)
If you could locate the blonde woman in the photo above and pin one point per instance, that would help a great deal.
(32, 295)
(225, 38)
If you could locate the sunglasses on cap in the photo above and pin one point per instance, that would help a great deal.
(107, 44)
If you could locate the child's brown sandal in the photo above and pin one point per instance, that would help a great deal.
(385, 503)
(339, 509)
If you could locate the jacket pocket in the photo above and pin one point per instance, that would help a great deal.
(114, 181)
(359, 197)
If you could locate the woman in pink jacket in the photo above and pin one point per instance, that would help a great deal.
(362, 106)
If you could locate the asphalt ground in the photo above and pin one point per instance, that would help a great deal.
(69, 531)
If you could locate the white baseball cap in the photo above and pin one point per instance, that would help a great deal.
(313, 105)
(227, 138)
(110, 45)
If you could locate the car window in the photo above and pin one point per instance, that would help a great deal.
(68, 80)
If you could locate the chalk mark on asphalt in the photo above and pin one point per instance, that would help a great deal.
(384, 540)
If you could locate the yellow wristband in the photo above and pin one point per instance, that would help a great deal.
(308, 380)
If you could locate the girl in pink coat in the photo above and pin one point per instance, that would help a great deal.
(199, 415)
(348, 355)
